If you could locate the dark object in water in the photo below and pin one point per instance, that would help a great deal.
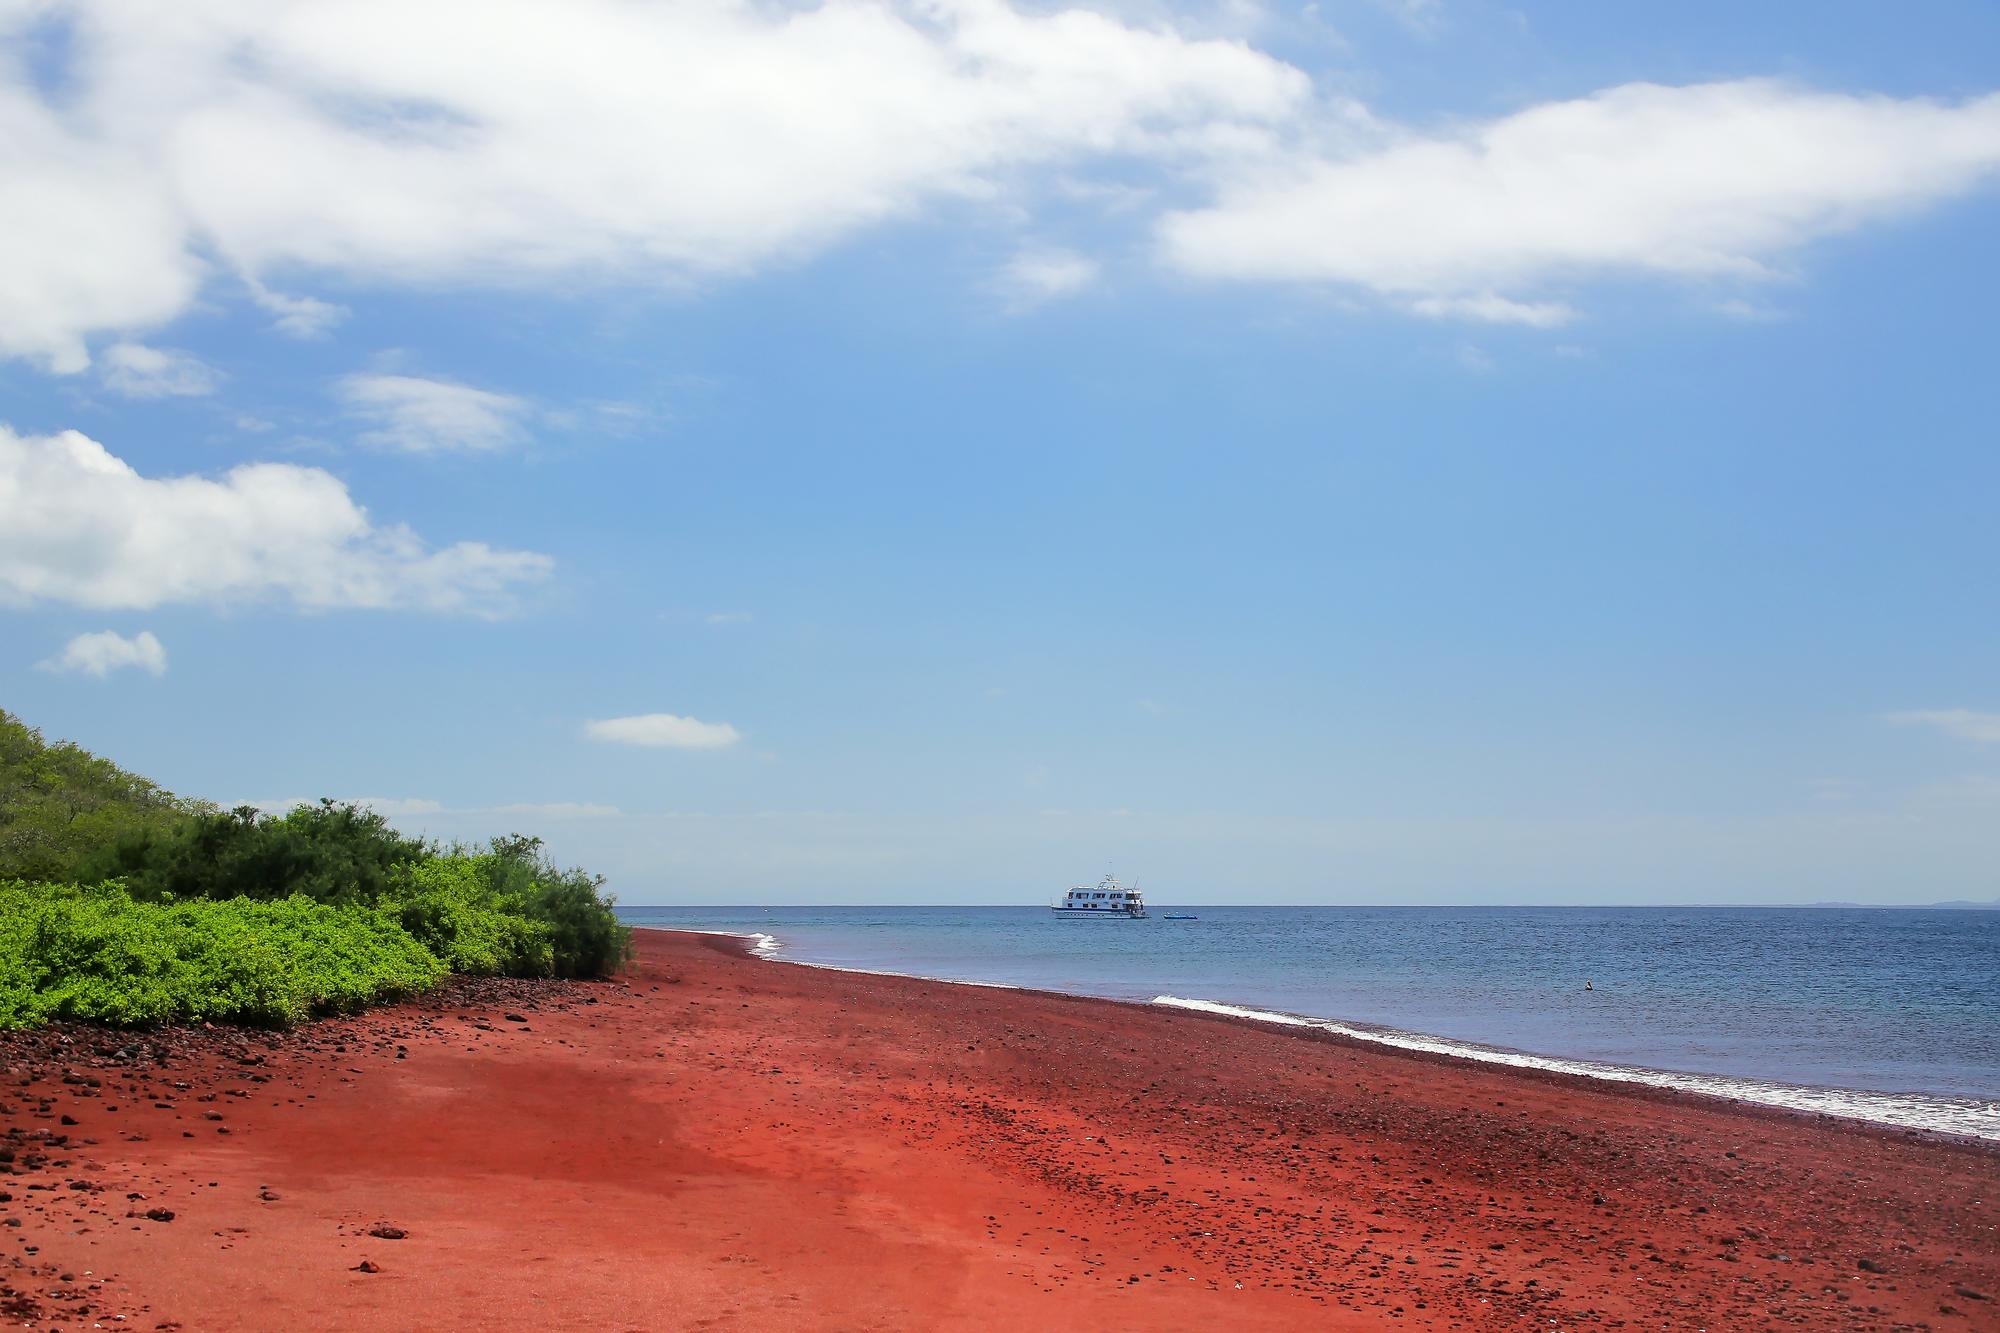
(1178, 916)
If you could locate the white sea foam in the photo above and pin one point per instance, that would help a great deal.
(1909, 1110)
(767, 947)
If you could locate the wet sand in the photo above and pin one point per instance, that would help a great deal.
(717, 1142)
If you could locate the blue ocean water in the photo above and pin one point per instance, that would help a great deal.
(1885, 1014)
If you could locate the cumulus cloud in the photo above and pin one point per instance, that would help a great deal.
(1714, 180)
(429, 416)
(102, 653)
(1035, 277)
(80, 526)
(508, 141)
(663, 730)
(95, 240)
(138, 371)
(1963, 723)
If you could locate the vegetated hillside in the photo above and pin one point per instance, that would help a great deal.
(120, 903)
(60, 804)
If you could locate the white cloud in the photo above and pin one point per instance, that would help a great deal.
(1036, 277)
(80, 526)
(102, 653)
(555, 810)
(510, 141)
(94, 239)
(1712, 180)
(1423, 17)
(664, 730)
(1963, 723)
(302, 317)
(1474, 358)
(1487, 308)
(728, 617)
(428, 416)
(138, 371)
(1747, 312)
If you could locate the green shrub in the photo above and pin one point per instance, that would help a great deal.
(584, 933)
(94, 953)
(329, 852)
(449, 904)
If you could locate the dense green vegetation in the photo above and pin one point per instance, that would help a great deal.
(330, 853)
(95, 953)
(120, 903)
(59, 803)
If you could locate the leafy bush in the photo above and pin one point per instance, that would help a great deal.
(449, 905)
(584, 932)
(95, 953)
(329, 852)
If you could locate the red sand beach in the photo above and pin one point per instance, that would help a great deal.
(717, 1142)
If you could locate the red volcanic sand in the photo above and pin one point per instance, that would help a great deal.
(719, 1142)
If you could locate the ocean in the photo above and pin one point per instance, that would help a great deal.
(1890, 1015)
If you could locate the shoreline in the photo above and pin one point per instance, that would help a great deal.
(704, 1142)
(1958, 1118)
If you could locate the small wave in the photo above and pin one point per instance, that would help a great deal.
(1906, 1110)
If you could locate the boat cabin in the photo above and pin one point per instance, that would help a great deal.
(1106, 898)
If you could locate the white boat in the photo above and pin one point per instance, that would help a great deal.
(1107, 898)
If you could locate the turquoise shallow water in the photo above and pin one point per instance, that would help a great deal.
(1884, 1014)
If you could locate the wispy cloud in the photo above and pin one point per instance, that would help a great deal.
(1486, 308)
(555, 810)
(1963, 723)
(1036, 277)
(728, 618)
(301, 317)
(664, 731)
(418, 415)
(1422, 17)
(102, 653)
(409, 807)
(138, 371)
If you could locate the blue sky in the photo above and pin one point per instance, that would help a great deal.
(1373, 452)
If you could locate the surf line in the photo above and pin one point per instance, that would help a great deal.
(1970, 1117)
